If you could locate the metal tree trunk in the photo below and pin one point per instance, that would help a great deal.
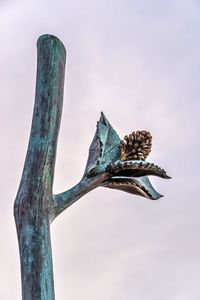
(34, 199)
(112, 163)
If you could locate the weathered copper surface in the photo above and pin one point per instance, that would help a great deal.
(112, 163)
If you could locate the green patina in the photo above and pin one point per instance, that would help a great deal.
(35, 205)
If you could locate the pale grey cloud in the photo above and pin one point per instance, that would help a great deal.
(139, 62)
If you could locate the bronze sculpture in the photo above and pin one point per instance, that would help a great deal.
(112, 163)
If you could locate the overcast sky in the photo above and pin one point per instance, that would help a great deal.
(139, 62)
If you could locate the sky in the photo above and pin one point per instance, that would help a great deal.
(139, 62)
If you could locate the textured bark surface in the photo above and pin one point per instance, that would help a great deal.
(35, 205)
(34, 198)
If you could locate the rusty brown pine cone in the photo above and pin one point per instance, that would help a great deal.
(136, 145)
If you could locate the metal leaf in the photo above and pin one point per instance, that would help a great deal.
(104, 148)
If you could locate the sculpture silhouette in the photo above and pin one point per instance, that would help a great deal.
(112, 163)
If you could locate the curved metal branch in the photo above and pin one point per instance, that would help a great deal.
(64, 200)
(112, 163)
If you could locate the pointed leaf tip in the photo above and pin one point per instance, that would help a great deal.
(103, 118)
(105, 145)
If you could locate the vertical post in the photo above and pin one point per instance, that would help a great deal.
(34, 198)
(111, 163)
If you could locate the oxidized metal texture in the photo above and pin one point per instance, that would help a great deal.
(112, 163)
(123, 161)
(34, 198)
(136, 169)
(133, 185)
